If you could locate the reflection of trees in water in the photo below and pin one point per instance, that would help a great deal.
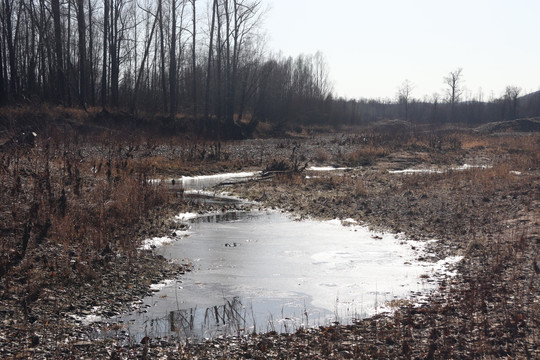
(229, 216)
(227, 319)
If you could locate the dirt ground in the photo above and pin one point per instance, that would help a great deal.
(479, 199)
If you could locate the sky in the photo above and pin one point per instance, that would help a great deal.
(373, 46)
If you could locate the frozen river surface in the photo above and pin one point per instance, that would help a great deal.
(264, 271)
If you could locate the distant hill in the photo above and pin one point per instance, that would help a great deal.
(532, 96)
(518, 125)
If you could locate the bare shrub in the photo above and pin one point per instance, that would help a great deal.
(321, 156)
(365, 155)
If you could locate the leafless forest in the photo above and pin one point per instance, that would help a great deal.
(203, 62)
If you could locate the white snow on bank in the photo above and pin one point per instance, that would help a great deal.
(439, 171)
(226, 176)
(344, 222)
(326, 168)
(416, 171)
(441, 266)
(150, 244)
(186, 216)
(88, 319)
(334, 222)
(161, 285)
(468, 167)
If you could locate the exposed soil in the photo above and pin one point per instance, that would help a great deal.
(489, 214)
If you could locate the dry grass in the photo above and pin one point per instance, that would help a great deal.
(51, 194)
(321, 156)
(365, 155)
(469, 142)
(162, 163)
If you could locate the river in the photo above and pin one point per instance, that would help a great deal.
(264, 270)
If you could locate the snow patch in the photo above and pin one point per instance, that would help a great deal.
(150, 244)
(226, 176)
(439, 171)
(161, 285)
(88, 319)
(349, 221)
(416, 171)
(186, 216)
(326, 168)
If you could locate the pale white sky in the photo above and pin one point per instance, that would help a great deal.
(372, 46)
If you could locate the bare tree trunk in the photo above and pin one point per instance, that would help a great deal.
(209, 65)
(105, 46)
(114, 51)
(229, 112)
(31, 52)
(141, 70)
(92, 84)
(194, 61)
(172, 62)
(81, 25)
(453, 80)
(47, 68)
(243, 94)
(13, 79)
(219, 85)
(162, 48)
(60, 86)
(68, 56)
(235, 57)
(2, 86)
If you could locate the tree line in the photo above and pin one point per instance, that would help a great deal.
(198, 60)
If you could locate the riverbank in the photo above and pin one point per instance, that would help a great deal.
(488, 213)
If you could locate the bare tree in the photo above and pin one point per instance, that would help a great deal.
(91, 67)
(242, 17)
(209, 61)
(81, 26)
(404, 95)
(453, 80)
(104, 56)
(219, 64)
(8, 28)
(454, 90)
(145, 55)
(162, 53)
(322, 83)
(117, 29)
(511, 96)
(435, 108)
(2, 86)
(194, 57)
(172, 60)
